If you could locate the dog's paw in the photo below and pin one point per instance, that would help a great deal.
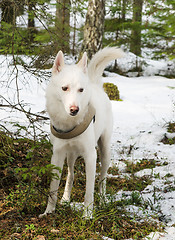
(45, 214)
(103, 199)
(64, 201)
(88, 214)
(42, 215)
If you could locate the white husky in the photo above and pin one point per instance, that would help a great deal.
(81, 118)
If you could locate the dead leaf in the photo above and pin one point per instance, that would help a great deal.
(54, 231)
(40, 237)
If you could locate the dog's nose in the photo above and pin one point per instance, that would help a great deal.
(74, 110)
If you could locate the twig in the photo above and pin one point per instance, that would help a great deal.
(39, 117)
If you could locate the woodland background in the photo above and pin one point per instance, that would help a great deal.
(37, 27)
(31, 34)
(33, 31)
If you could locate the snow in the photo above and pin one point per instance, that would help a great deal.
(140, 120)
(149, 66)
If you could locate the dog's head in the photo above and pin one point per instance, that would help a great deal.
(71, 82)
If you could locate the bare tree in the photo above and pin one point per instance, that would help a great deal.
(94, 27)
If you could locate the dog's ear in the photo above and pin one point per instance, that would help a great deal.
(83, 62)
(59, 62)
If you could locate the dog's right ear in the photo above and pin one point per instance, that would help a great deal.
(59, 62)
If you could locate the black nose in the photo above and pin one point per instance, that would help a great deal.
(74, 110)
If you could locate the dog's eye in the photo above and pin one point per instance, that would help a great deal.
(81, 90)
(65, 88)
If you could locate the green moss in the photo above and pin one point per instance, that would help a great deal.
(171, 127)
(167, 140)
(113, 170)
(140, 165)
(128, 183)
(24, 180)
(112, 91)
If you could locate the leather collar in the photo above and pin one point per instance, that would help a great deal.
(77, 130)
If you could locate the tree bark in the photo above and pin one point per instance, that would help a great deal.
(31, 20)
(124, 3)
(135, 45)
(8, 11)
(62, 24)
(94, 27)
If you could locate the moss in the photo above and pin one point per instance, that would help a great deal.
(132, 183)
(24, 197)
(171, 127)
(112, 91)
(166, 140)
(141, 164)
(113, 170)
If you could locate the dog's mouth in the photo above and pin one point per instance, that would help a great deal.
(73, 113)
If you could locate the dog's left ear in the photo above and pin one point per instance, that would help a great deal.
(83, 62)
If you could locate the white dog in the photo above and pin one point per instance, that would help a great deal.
(81, 118)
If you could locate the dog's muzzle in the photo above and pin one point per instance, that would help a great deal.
(78, 129)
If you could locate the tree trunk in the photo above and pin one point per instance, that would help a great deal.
(62, 24)
(124, 3)
(31, 20)
(135, 46)
(8, 14)
(94, 27)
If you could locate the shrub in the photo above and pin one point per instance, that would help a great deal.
(112, 91)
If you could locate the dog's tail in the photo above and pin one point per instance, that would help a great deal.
(100, 60)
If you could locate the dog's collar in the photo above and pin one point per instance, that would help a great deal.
(77, 130)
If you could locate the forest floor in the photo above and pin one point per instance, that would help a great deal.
(24, 188)
(141, 180)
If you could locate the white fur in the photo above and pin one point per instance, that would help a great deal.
(59, 103)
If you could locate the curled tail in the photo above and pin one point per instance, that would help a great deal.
(100, 60)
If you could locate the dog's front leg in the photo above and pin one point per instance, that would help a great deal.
(90, 165)
(58, 158)
(70, 178)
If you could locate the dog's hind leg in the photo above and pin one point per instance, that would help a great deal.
(70, 178)
(104, 151)
(58, 158)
